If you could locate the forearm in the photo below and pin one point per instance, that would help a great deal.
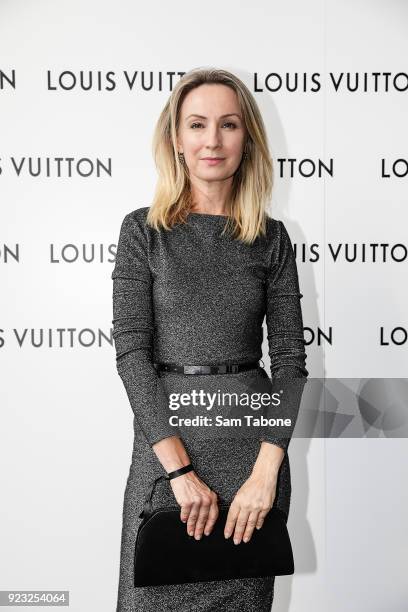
(147, 395)
(269, 459)
(171, 453)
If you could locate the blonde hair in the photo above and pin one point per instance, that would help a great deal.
(252, 182)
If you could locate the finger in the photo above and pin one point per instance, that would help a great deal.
(192, 518)
(250, 526)
(202, 519)
(185, 512)
(261, 518)
(231, 520)
(212, 517)
(240, 525)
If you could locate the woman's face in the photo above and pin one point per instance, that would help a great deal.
(211, 125)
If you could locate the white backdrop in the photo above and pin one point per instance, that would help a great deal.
(66, 425)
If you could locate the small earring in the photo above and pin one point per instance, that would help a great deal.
(181, 158)
(245, 155)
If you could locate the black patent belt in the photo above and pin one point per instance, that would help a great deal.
(219, 368)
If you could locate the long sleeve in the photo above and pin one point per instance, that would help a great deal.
(285, 328)
(133, 328)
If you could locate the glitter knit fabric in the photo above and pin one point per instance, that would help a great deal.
(191, 295)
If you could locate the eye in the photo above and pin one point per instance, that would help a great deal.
(230, 123)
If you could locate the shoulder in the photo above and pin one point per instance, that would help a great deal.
(277, 231)
(137, 216)
(274, 231)
(134, 221)
(273, 224)
(133, 232)
(279, 242)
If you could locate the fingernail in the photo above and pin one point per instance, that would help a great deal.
(236, 542)
(246, 539)
(206, 533)
(227, 534)
(198, 537)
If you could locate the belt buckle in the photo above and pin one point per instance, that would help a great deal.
(222, 369)
(197, 369)
(234, 368)
(191, 369)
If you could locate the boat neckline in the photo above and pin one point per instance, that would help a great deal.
(197, 214)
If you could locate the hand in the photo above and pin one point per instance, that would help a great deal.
(250, 505)
(199, 504)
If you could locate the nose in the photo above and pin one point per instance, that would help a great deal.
(214, 137)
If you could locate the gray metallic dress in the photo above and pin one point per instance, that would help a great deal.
(192, 295)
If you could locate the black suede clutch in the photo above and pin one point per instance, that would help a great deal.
(166, 554)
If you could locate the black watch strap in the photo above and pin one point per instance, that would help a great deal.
(179, 472)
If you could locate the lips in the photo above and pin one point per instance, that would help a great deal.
(213, 158)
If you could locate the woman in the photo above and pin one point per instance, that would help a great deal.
(195, 275)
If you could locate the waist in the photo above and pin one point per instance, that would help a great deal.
(228, 367)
